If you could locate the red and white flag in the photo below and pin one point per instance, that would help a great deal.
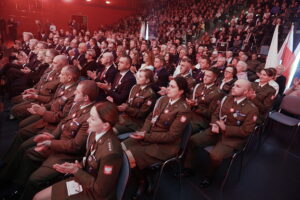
(294, 65)
(286, 56)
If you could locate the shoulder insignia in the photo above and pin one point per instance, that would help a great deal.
(109, 145)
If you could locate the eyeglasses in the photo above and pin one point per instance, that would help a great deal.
(228, 71)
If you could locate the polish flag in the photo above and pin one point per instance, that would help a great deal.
(286, 56)
(294, 65)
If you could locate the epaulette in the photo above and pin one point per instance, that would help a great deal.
(109, 144)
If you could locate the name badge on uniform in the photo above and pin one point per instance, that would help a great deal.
(154, 119)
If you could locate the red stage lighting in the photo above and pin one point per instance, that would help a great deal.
(107, 2)
(88, 0)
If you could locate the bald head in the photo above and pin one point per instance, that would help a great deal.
(240, 88)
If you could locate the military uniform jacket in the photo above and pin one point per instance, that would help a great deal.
(47, 85)
(164, 127)
(71, 133)
(101, 167)
(240, 120)
(206, 101)
(140, 102)
(264, 98)
(60, 104)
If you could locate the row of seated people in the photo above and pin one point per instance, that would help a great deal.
(62, 123)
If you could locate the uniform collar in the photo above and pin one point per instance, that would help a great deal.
(99, 135)
(174, 101)
(123, 73)
(143, 87)
(239, 101)
(84, 106)
(69, 86)
(185, 75)
(262, 85)
(209, 86)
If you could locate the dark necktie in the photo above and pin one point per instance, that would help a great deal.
(116, 80)
(103, 73)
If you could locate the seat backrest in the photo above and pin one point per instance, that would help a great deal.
(123, 177)
(291, 104)
(185, 139)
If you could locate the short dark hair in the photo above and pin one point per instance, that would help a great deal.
(188, 60)
(182, 84)
(128, 59)
(270, 72)
(234, 71)
(214, 70)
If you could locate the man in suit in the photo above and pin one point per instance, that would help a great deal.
(90, 64)
(66, 48)
(231, 123)
(65, 144)
(118, 91)
(103, 48)
(161, 75)
(80, 61)
(105, 74)
(93, 43)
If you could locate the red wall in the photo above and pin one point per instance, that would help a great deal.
(59, 12)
